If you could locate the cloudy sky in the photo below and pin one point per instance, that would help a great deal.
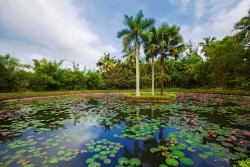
(82, 30)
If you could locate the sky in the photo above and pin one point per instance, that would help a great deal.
(81, 31)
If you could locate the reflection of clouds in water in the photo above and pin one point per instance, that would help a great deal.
(84, 132)
(92, 119)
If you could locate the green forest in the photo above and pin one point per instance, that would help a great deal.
(168, 62)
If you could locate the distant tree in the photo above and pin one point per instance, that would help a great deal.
(13, 74)
(46, 75)
(106, 64)
(133, 35)
(191, 48)
(129, 54)
(206, 44)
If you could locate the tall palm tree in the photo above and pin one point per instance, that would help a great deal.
(206, 44)
(243, 36)
(168, 41)
(106, 63)
(133, 35)
(150, 50)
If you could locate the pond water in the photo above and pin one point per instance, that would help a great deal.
(107, 131)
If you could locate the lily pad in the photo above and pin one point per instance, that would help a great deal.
(172, 162)
(203, 156)
(54, 161)
(163, 165)
(226, 144)
(153, 150)
(123, 161)
(135, 162)
(67, 154)
(186, 161)
(94, 164)
(90, 160)
(20, 151)
(60, 152)
(178, 153)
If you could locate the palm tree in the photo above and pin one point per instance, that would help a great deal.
(129, 54)
(106, 63)
(206, 44)
(133, 35)
(150, 50)
(168, 41)
(244, 35)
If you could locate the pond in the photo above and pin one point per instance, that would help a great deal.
(107, 131)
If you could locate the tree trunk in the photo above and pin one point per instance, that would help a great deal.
(162, 74)
(137, 69)
(153, 77)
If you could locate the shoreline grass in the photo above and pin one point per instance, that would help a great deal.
(19, 95)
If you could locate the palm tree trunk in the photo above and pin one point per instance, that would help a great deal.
(162, 74)
(137, 69)
(153, 77)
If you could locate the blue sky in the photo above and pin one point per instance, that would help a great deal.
(82, 30)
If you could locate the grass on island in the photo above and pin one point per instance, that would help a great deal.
(147, 97)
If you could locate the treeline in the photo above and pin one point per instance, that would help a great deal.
(221, 63)
(45, 75)
(226, 65)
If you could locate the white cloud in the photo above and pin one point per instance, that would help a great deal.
(51, 29)
(199, 8)
(219, 24)
(184, 4)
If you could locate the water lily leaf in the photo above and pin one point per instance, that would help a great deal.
(163, 165)
(203, 156)
(191, 149)
(20, 151)
(29, 165)
(186, 161)
(67, 154)
(123, 161)
(172, 162)
(94, 164)
(153, 150)
(96, 156)
(241, 149)
(226, 144)
(61, 152)
(54, 161)
(134, 161)
(209, 153)
(89, 160)
(107, 161)
(178, 153)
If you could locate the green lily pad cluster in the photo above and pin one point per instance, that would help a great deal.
(103, 150)
(132, 162)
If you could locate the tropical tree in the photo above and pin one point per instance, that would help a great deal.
(243, 36)
(191, 49)
(133, 35)
(206, 44)
(129, 54)
(150, 49)
(106, 63)
(168, 40)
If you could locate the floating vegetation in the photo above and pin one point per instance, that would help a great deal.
(109, 131)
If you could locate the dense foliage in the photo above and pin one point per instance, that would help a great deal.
(221, 63)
